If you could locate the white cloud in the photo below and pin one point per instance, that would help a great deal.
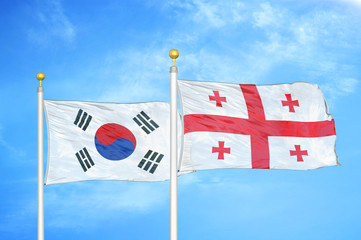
(15, 152)
(241, 197)
(218, 15)
(315, 42)
(353, 2)
(215, 14)
(70, 206)
(348, 85)
(338, 87)
(311, 41)
(92, 202)
(52, 24)
(268, 16)
(188, 179)
(16, 217)
(305, 40)
(147, 74)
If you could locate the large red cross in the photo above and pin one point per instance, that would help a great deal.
(221, 150)
(217, 98)
(257, 127)
(290, 103)
(298, 152)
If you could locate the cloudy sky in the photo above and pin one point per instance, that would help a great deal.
(117, 51)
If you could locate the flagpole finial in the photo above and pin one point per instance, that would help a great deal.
(40, 76)
(173, 54)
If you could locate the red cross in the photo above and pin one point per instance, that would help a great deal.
(298, 153)
(221, 150)
(217, 98)
(290, 103)
(257, 127)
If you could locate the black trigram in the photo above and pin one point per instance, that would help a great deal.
(82, 120)
(144, 121)
(84, 159)
(150, 161)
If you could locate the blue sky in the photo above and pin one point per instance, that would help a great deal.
(117, 51)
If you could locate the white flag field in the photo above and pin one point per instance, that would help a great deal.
(107, 141)
(283, 126)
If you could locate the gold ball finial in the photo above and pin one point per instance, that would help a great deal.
(40, 76)
(173, 54)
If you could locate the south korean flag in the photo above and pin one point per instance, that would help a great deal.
(107, 141)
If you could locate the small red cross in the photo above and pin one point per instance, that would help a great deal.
(221, 150)
(217, 98)
(290, 103)
(298, 153)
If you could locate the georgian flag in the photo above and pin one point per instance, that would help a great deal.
(107, 141)
(284, 126)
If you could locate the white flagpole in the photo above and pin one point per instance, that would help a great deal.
(40, 76)
(173, 148)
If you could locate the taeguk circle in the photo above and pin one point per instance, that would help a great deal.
(115, 142)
